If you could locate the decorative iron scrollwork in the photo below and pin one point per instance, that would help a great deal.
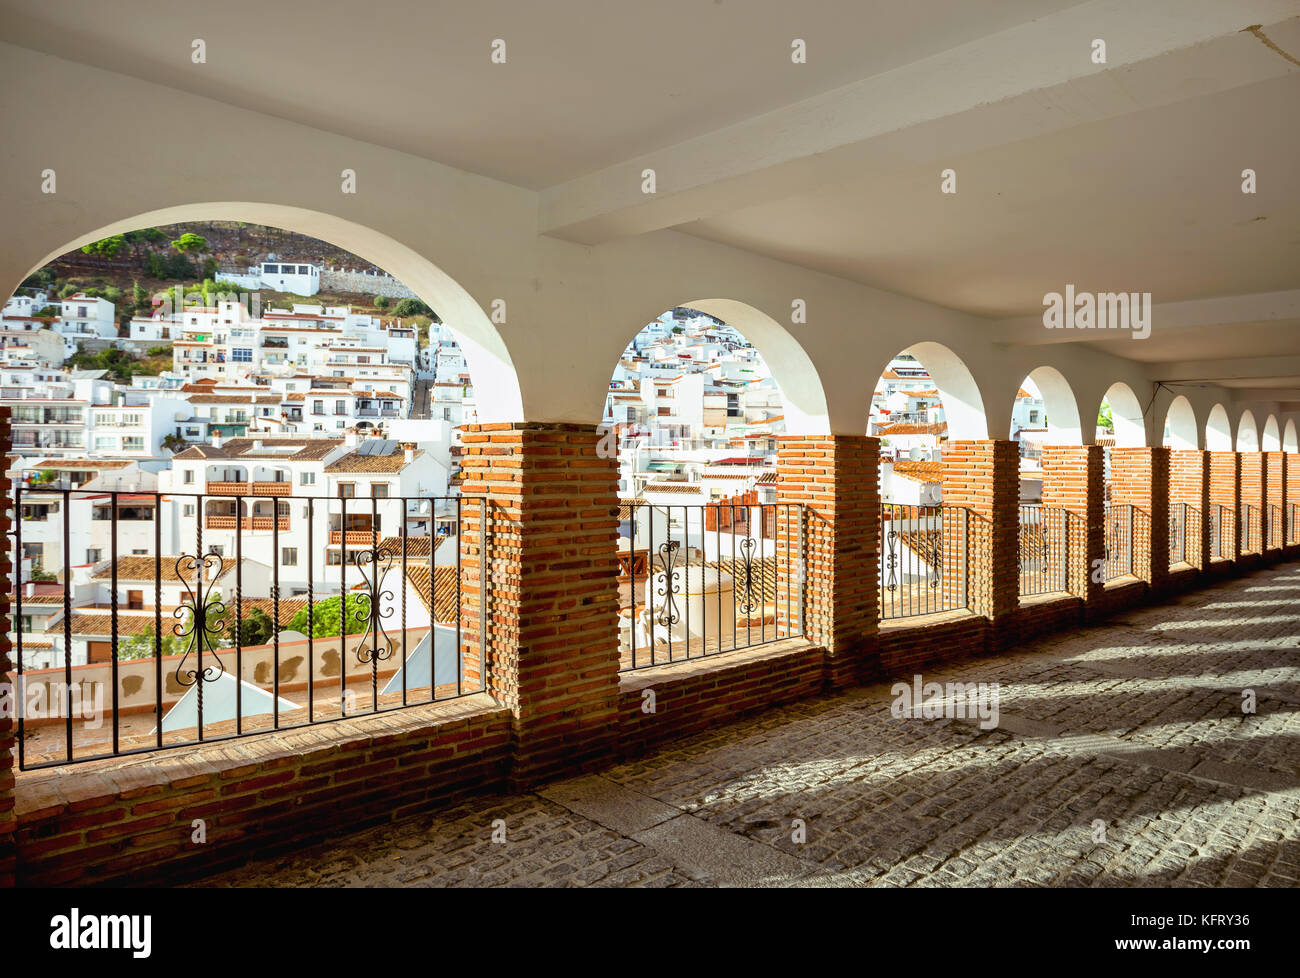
(667, 559)
(201, 618)
(751, 602)
(891, 560)
(375, 644)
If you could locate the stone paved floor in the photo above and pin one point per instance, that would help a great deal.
(1135, 726)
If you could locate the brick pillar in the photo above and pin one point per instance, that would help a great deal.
(1225, 502)
(1074, 481)
(837, 479)
(1274, 500)
(1291, 512)
(1139, 477)
(983, 477)
(8, 747)
(1253, 493)
(552, 587)
(1189, 486)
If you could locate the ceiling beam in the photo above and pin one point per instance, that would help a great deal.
(1031, 79)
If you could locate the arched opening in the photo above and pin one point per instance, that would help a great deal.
(277, 420)
(925, 397)
(1272, 439)
(1044, 412)
(1289, 440)
(1119, 419)
(1247, 432)
(1180, 425)
(1218, 430)
(484, 351)
(695, 412)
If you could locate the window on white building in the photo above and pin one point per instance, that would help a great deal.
(133, 443)
(187, 476)
(307, 478)
(289, 556)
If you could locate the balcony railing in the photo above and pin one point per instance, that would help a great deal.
(701, 580)
(1222, 530)
(1180, 517)
(186, 644)
(216, 522)
(923, 559)
(1044, 549)
(1120, 519)
(250, 488)
(1250, 529)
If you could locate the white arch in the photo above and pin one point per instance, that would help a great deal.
(963, 407)
(1289, 440)
(1180, 425)
(495, 380)
(1062, 407)
(802, 394)
(1271, 440)
(1126, 412)
(1218, 430)
(1247, 432)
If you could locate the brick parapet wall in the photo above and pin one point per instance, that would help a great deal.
(983, 477)
(1225, 501)
(837, 480)
(1074, 481)
(1139, 477)
(1189, 486)
(133, 819)
(552, 574)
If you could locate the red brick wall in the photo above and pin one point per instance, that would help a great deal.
(1139, 477)
(1275, 498)
(1292, 478)
(1225, 497)
(1254, 481)
(1189, 485)
(690, 697)
(984, 478)
(121, 821)
(837, 478)
(1074, 480)
(553, 597)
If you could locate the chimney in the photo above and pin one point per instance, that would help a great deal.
(409, 449)
(216, 439)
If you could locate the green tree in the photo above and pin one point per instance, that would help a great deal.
(381, 302)
(49, 312)
(141, 645)
(412, 307)
(190, 243)
(1104, 418)
(140, 296)
(67, 290)
(325, 617)
(106, 247)
(256, 628)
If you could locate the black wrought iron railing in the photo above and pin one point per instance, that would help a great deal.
(1223, 529)
(923, 559)
(1179, 516)
(1250, 529)
(138, 633)
(1119, 538)
(1044, 549)
(697, 580)
(1273, 527)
